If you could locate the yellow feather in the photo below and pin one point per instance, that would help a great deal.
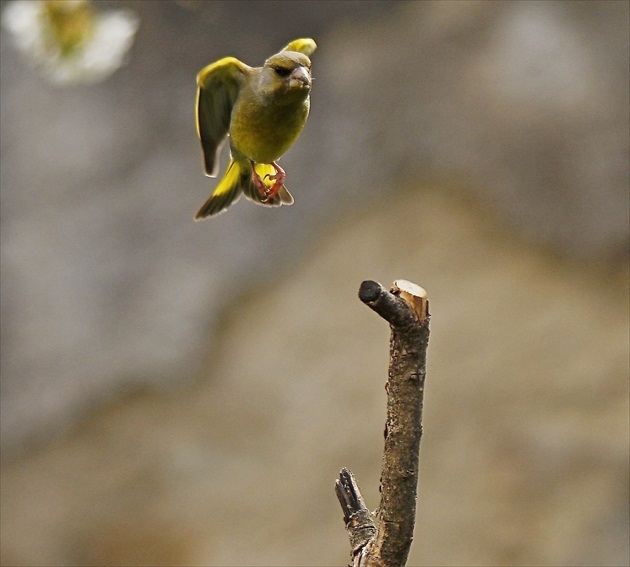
(304, 45)
(228, 191)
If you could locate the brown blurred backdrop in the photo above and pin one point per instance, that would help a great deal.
(180, 393)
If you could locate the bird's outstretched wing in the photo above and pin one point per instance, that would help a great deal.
(218, 86)
(305, 45)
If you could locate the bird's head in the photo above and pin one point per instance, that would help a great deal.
(287, 73)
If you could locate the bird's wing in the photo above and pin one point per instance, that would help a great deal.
(305, 45)
(218, 86)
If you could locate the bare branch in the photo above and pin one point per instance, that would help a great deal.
(358, 519)
(406, 308)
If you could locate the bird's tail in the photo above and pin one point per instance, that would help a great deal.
(236, 181)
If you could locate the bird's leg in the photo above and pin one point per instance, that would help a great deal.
(268, 193)
(278, 180)
(258, 182)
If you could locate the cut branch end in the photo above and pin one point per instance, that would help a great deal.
(413, 294)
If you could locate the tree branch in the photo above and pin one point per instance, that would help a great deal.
(406, 308)
(359, 522)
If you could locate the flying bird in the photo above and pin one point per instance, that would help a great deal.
(263, 110)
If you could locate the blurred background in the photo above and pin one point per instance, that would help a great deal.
(181, 393)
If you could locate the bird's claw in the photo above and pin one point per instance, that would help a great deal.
(271, 192)
(268, 193)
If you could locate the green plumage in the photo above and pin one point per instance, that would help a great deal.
(263, 109)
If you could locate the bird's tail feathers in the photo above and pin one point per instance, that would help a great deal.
(238, 180)
(228, 191)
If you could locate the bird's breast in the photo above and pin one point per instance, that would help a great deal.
(264, 130)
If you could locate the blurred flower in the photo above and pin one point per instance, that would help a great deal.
(69, 40)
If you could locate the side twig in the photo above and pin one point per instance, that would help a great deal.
(386, 543)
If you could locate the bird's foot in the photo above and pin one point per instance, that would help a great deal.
(259, 183)
(278, 180)
(267, 193)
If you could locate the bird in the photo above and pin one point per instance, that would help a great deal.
(263, 111)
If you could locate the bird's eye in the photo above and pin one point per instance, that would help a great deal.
(282, 71)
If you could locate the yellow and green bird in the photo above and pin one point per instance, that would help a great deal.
(263, 109)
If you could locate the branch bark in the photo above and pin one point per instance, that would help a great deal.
(386, 542)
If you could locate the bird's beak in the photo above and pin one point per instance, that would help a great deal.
(300, 77)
